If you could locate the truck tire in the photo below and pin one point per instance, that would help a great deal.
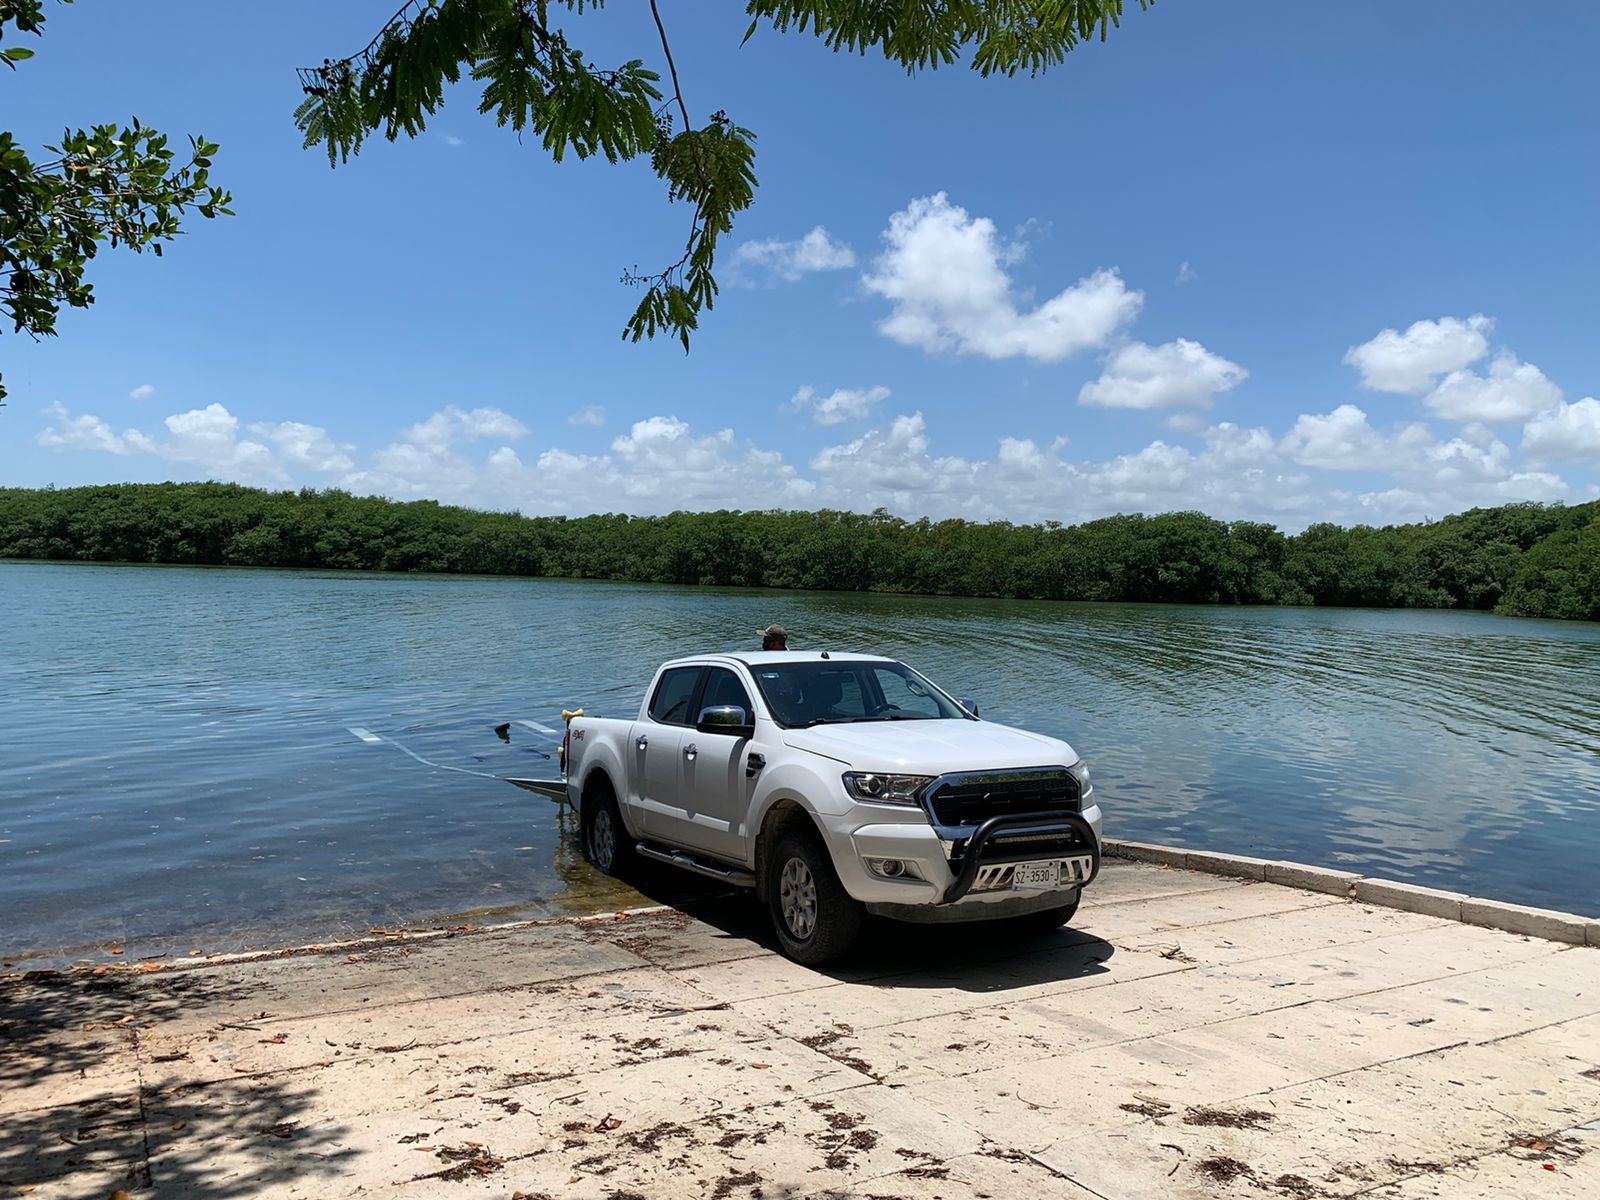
(1048, 920)
(815, 918)
(606, 842)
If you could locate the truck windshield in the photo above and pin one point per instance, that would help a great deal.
(820, 693)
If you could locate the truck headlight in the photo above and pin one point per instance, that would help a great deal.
(885, 789)
(1080, 771)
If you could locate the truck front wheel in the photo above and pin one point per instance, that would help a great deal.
(815, 918)
(1048, 920)
(606, 843)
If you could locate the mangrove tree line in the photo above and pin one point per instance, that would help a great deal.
(1526, 559)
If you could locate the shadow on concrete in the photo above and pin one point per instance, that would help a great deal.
(59, 1024)
(976, 956)
(101, 1117)
(980, 956)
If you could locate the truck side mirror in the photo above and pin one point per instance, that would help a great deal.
(728, 719)
(968, 703)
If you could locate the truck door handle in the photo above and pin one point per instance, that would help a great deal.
(690, 751)
(642, 742)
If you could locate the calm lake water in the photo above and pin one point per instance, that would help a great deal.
(178, 769)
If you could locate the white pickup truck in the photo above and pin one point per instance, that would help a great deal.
(836, 785)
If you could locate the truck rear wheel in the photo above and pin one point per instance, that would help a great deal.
(606, 842)
(815, 918)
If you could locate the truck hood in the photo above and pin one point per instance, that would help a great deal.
(931, 747)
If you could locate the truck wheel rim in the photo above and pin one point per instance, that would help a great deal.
(603, 839)
(797, 892)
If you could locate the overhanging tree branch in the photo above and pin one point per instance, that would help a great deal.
(109, 185)
(533, 76)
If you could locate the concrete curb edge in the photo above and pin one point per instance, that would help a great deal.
(1548, 924)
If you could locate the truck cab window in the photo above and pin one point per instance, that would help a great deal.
(670, 706)
(723, 687)
(903, 694)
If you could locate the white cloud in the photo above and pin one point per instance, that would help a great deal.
(304, 445)
(1229, 445)
(1342, 440)
(1174, 374)
(1432, 477)
(1331, 466)
(1186, 273)
(817, 251)
(451, 139)
(209, 438)
(431, 460)
(1408, 504)
(67, 432)
(451, 425)
(893, 468)
(589, 414)
(143, 392)
(660, 465)
(843, 404)
(1565, 431)
(204, 429)
(944, 273)
(1237, 474)
(1407, 363)
(1512, 391)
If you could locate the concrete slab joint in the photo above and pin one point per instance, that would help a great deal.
(1313, 879)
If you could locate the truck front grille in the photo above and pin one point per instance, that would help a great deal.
(972, 798)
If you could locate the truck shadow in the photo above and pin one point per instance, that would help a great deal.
(977, 956)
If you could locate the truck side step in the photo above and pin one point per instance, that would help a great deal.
(737, 876)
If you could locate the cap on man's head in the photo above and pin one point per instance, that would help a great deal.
(773, 633)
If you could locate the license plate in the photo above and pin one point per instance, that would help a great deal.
(1034, 876)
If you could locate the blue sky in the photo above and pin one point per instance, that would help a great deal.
(1275, 262)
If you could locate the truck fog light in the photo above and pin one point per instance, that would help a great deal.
(893, 868)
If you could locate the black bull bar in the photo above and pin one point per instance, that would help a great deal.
(1022, 825)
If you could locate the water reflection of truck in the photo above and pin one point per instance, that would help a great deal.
(836, 786)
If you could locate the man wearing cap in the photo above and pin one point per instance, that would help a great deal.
(774, 637)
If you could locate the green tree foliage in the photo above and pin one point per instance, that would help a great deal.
(523, 57)
(117, 185)
(1526, 559)
(1559, 576)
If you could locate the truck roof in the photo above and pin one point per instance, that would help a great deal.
(756, 658)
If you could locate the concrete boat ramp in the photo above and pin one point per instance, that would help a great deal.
(1193, 1035)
